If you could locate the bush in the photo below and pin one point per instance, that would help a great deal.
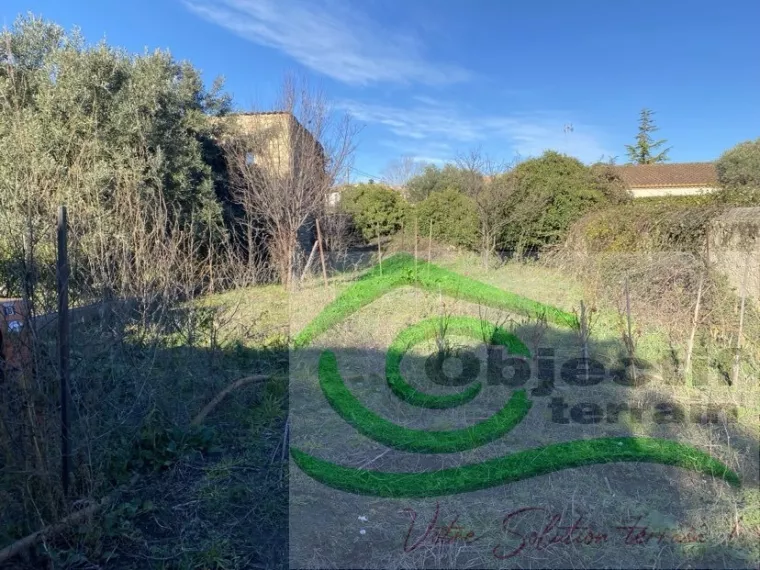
(739, 174)
(656, 224)
(454, 217)
(434, 179)
(376, 209)
(548, 194)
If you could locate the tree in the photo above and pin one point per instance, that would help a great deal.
(547, 195)
(296, 162)
(122, 140)
(376, 209)
(482, 180)
(434, 179)
(399, 172)
(454, 218)
(738, 172)
(644, 150)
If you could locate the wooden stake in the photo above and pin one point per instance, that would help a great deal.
(692, 334)
(416, 239)
(309, 260)
(321, 254)
(63, 342)
(402, 236)
(430, 243)
(630, 332)
(379, 249)
(584, 340)
(210, 257)
(737, 361)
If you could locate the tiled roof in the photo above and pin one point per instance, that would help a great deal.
(249, 113)
(695, 174)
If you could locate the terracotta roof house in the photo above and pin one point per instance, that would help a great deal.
(677, 179)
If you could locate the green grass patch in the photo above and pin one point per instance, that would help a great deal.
(399, 270)
(511, 468)
(427, 329)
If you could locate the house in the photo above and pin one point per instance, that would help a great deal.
(280, 144)
(676, 179)
(292, 159)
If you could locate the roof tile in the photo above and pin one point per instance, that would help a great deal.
(697, 174)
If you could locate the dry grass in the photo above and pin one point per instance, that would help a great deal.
(325, 526)
(231, 508)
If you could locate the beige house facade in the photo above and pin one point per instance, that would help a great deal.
(291, 157)
(279, 143)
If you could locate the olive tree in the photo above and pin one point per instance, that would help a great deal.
(118, 138)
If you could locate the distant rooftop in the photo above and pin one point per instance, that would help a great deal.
(262, 113)
(675, 175)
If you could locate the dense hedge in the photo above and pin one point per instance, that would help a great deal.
(739, 174)
(655, 224)
(454, 217)
(374, 208)
(549, 194)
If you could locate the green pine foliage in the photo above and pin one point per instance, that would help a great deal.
(646, 150)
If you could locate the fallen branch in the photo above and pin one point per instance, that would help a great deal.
(221, 395)
(20, 545)
(48, 532)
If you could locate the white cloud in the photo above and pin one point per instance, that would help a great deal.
(331, 38)
(432, 123)
(421, 151)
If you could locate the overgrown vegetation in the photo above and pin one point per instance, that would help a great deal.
(739, 174)
(169, 205)
(125, 143)
(548, 195)
(646, 224)
(376, 209)
(452, 217)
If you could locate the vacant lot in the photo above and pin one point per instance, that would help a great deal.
(626, 514)
(225, 495)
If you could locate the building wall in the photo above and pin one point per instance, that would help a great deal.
(670, 191)
(270, 136)
(734, 248)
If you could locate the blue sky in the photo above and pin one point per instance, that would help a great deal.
(431, 78)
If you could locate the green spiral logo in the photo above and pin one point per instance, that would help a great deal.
(402, 270)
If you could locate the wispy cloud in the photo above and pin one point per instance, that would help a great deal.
(449, 127)
(431, 151)
(331, 38)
